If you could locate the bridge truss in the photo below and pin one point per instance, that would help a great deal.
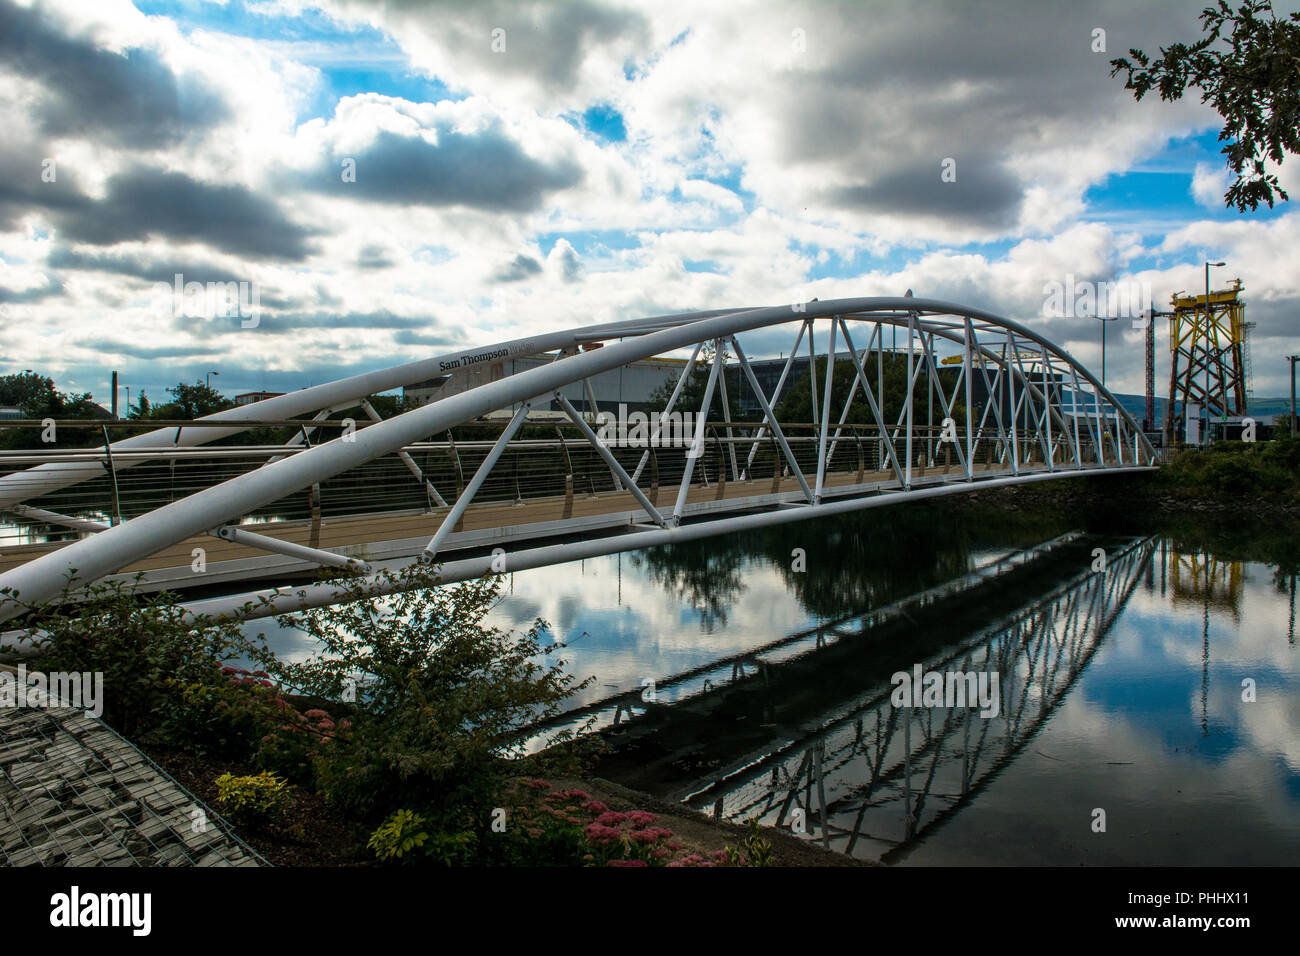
(1034, 413)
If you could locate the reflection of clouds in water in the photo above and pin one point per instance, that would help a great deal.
(1155, 650)
(290, 645)
(1175, 807)
(519, 612)
(1154, 672)
(1265, 622)
(1129, 738)
(676, 609)
(567, 613)
(1258, 635)
(625, 630)
(1271, 723)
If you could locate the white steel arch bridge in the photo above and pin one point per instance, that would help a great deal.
(1036, 414)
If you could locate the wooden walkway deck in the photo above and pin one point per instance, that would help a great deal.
(485, 524)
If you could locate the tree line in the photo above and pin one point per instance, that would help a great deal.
(37, 397)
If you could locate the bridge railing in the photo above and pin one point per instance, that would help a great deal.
(1012, 381)
(529, 468)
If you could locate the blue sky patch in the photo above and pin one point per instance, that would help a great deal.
(605, 123)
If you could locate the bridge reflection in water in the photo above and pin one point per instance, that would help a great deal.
(858, 774)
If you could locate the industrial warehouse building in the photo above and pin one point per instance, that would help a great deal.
(630, 385)
(633, 385)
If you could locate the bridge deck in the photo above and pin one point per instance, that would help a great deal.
(485, 524)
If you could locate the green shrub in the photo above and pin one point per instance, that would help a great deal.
(1234, 469)
(291, 750)
(224, 717)
(436, 696)
(440, 703)
(150, 653)
(403, 837)
(452, 849)
(397, 836)
(753, 850)
(253, 801)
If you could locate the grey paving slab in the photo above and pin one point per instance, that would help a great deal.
(75, 793)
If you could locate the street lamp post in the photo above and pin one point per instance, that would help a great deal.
(1104, 319)
(207, 378)
(1293, 359)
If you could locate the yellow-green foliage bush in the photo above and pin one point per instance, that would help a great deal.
(403, 838)
(253, 801)
(397, 836)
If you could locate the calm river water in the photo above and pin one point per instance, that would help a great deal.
(1147, 695)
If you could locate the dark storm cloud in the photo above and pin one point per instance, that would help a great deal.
(570, 267)
(131, 99)
(975, 81)
(148, 352)
(52, 287)
(486, 170)
(312, 327)
(22, 188)
(374, 257)
(311, 321)
(319, 302)
(137, 267)
(444, 339)
(1277, 317)
(144, 203)
(546, 41)
(1038, 50)
(983, 193)
(521, 267)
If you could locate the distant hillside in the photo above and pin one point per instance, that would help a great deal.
(1262, 409)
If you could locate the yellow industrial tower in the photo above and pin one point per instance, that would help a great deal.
(1208, 363)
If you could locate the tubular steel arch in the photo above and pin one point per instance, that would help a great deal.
(1043, 415)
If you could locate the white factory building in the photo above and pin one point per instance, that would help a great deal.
(629, 385)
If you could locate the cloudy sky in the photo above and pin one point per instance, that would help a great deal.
(398, 179)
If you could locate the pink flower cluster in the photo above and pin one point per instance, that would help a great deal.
(324, 722)
(241, 677)
(632, 828)
(635, 818)
(649, 836)
(601, 834)
(693, 859)
(617, 838)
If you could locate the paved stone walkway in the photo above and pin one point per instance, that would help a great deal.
(75, 793)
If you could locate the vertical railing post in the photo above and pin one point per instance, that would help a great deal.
(826, 412)
(697, 444)
(1008, 360)
(907, 411)
(968, 373)
(812, 368)
(112, 473)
